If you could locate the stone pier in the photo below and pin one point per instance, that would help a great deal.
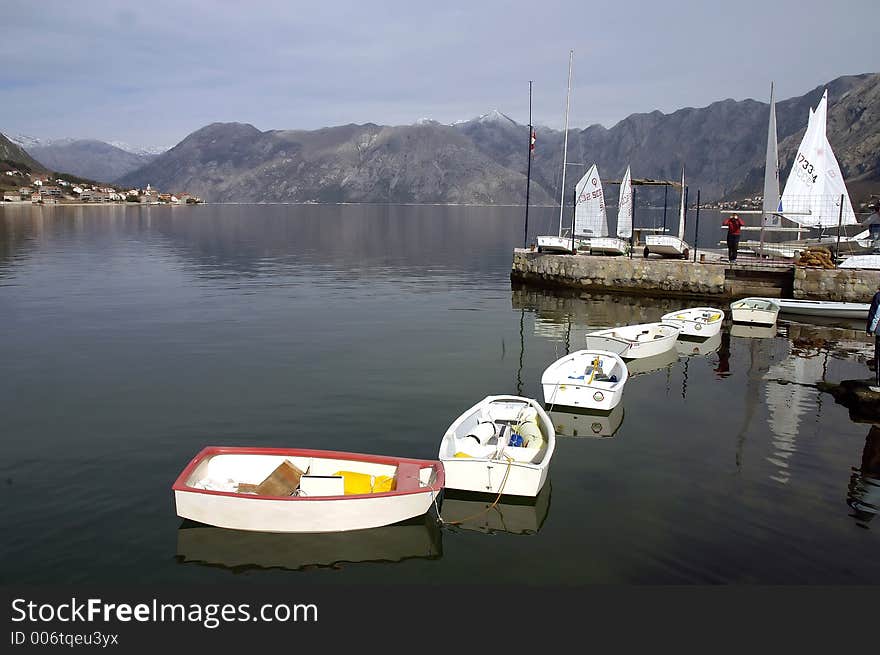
(688, 279)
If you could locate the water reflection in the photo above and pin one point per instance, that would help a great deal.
(240, 550)
(699, 347)
(863, 495)
(652, 364)
(745, 331)
(515, 515)
(585, 423)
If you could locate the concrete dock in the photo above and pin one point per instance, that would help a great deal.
(710, 276)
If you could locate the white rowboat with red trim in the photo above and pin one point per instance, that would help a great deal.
(207, 491)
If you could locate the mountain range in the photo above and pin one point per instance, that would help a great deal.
(483, 160)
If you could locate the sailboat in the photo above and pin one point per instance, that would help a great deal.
(813, 191)
(668, 245)
(619, 245)
(560, 243)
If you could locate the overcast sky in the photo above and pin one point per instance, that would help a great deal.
(151, 73)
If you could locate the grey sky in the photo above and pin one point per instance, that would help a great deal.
(150, 73)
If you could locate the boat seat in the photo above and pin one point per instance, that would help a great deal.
(407, 477)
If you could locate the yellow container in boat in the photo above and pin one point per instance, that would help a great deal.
(383, 483)
(356, 483)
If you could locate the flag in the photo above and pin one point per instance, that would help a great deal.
(532, 142)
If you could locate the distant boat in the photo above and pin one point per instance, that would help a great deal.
(822, 308)
(501, 445)
(667, 245)
(635, 341)
(754, 311)
(699, 322)
(620, 245)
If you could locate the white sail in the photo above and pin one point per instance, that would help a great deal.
(771, 171)
(625, 207)
(682, 209)
(812, 192)
(590, 218)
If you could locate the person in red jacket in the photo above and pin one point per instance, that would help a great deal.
(734, 226)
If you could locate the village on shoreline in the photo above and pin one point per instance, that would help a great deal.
(58, 188)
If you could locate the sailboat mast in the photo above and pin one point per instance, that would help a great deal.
(528, 169)
(565, 142)
(771, 174)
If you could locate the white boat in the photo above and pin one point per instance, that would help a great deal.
(560, 243)
(688, 347)
(823, 308)
(619, 245)
(501, 445)
(635, 341)
(652, 364)
(569, 422)
(861, 261)
(242, 550)
(702, 322)
(336, 492)
(586, 379)
(667, 245)
(513, 515)
(755, 311)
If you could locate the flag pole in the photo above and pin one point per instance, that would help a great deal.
(528, 169)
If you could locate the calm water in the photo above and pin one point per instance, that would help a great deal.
(133, 337)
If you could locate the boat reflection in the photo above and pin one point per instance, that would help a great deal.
(746, 331)
(515, 515)
(698, 348)
(585, 423)
(651, 364)
(863, 495)
(240, 550)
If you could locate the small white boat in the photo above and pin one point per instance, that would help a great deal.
(348, 491)
(569, 422)
(635, 341)
(702, 322)
(609, 246)
(242, 550)
(861, 261)
(586, 379)
(553, 244)
(823, 308)
(501, 445)
(754, 311)
(667, 246)
(698, 347)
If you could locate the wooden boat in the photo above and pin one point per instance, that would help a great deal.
(574, 423)
(501, 445)
(513, 515)
(754, 311)
(242, 550)
(224, 487)
(701, 322)
(635, 341)
(587, 379)
(822, 308)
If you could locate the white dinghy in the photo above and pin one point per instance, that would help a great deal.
(635, 341)
(586, 379)
(298, 490)
(697, 322)
(823, 308)
(501, 445)
(754, 311)
(667, 245)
